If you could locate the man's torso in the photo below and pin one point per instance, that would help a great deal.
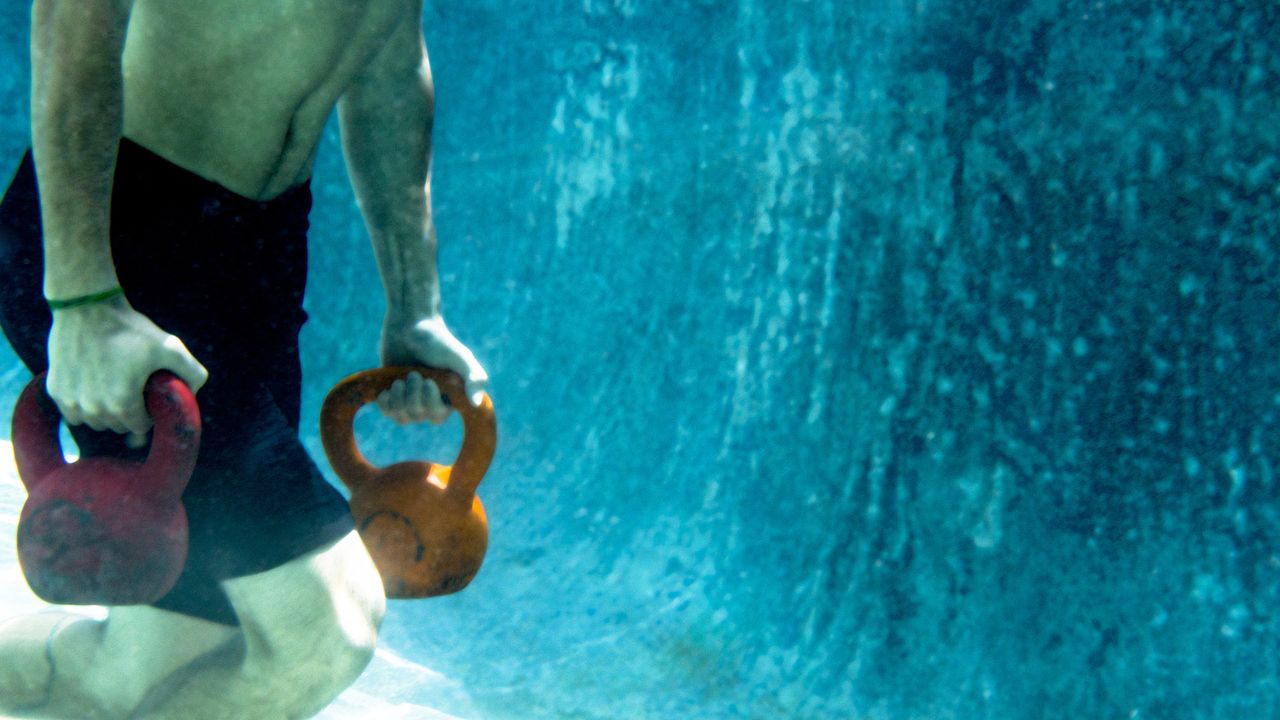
(238, 91)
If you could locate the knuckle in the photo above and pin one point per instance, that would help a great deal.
(66, 403)
(60, 393)
(173, 345)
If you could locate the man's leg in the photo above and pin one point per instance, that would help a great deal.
(58, 664)
(309, 626)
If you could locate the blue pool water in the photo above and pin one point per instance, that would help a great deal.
(853, 359)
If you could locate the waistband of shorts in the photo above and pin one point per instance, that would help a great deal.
(137, 164)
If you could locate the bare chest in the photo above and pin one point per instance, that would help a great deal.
(239, 90)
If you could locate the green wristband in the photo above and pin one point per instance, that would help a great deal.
(85, 299)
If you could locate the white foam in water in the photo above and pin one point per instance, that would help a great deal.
(375, 695)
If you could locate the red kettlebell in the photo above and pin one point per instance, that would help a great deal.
(105, 531)
(422, 523)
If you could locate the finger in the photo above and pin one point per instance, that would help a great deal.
(92, 416)
(128, 414)
(395, 393)
(392, 402)
(420, 393)
(476, 390)
(136, 421)
(473, 374)
(113, 422)
(112, 417)
(456, 356)
(387, 402)
(64, 399)
(477, 382)
(182, 363)
(416, 402)
(431, 404)
(71, 413)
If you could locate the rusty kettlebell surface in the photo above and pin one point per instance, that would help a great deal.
(105, 531)
(422, 522)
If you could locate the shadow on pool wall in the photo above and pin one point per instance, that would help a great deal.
(876, 359)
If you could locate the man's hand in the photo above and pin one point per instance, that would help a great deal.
(426, 342)
(100, 357)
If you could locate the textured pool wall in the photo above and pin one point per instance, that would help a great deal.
(902, 360)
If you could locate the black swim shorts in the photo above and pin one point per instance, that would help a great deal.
(226, 275)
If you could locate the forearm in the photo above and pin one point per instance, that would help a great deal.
(77, 113)
(386, 130)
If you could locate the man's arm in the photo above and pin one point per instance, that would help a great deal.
(77, 116)
(100, 354)
(386, 117)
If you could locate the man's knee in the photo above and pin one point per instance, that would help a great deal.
(43, 660)
(311, 625)
(294, 670)
(25, 669)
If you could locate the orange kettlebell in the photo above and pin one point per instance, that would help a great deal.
(105, 531)
(422, 522)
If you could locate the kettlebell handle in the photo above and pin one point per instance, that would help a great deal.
(337, 430)
(175, 440)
